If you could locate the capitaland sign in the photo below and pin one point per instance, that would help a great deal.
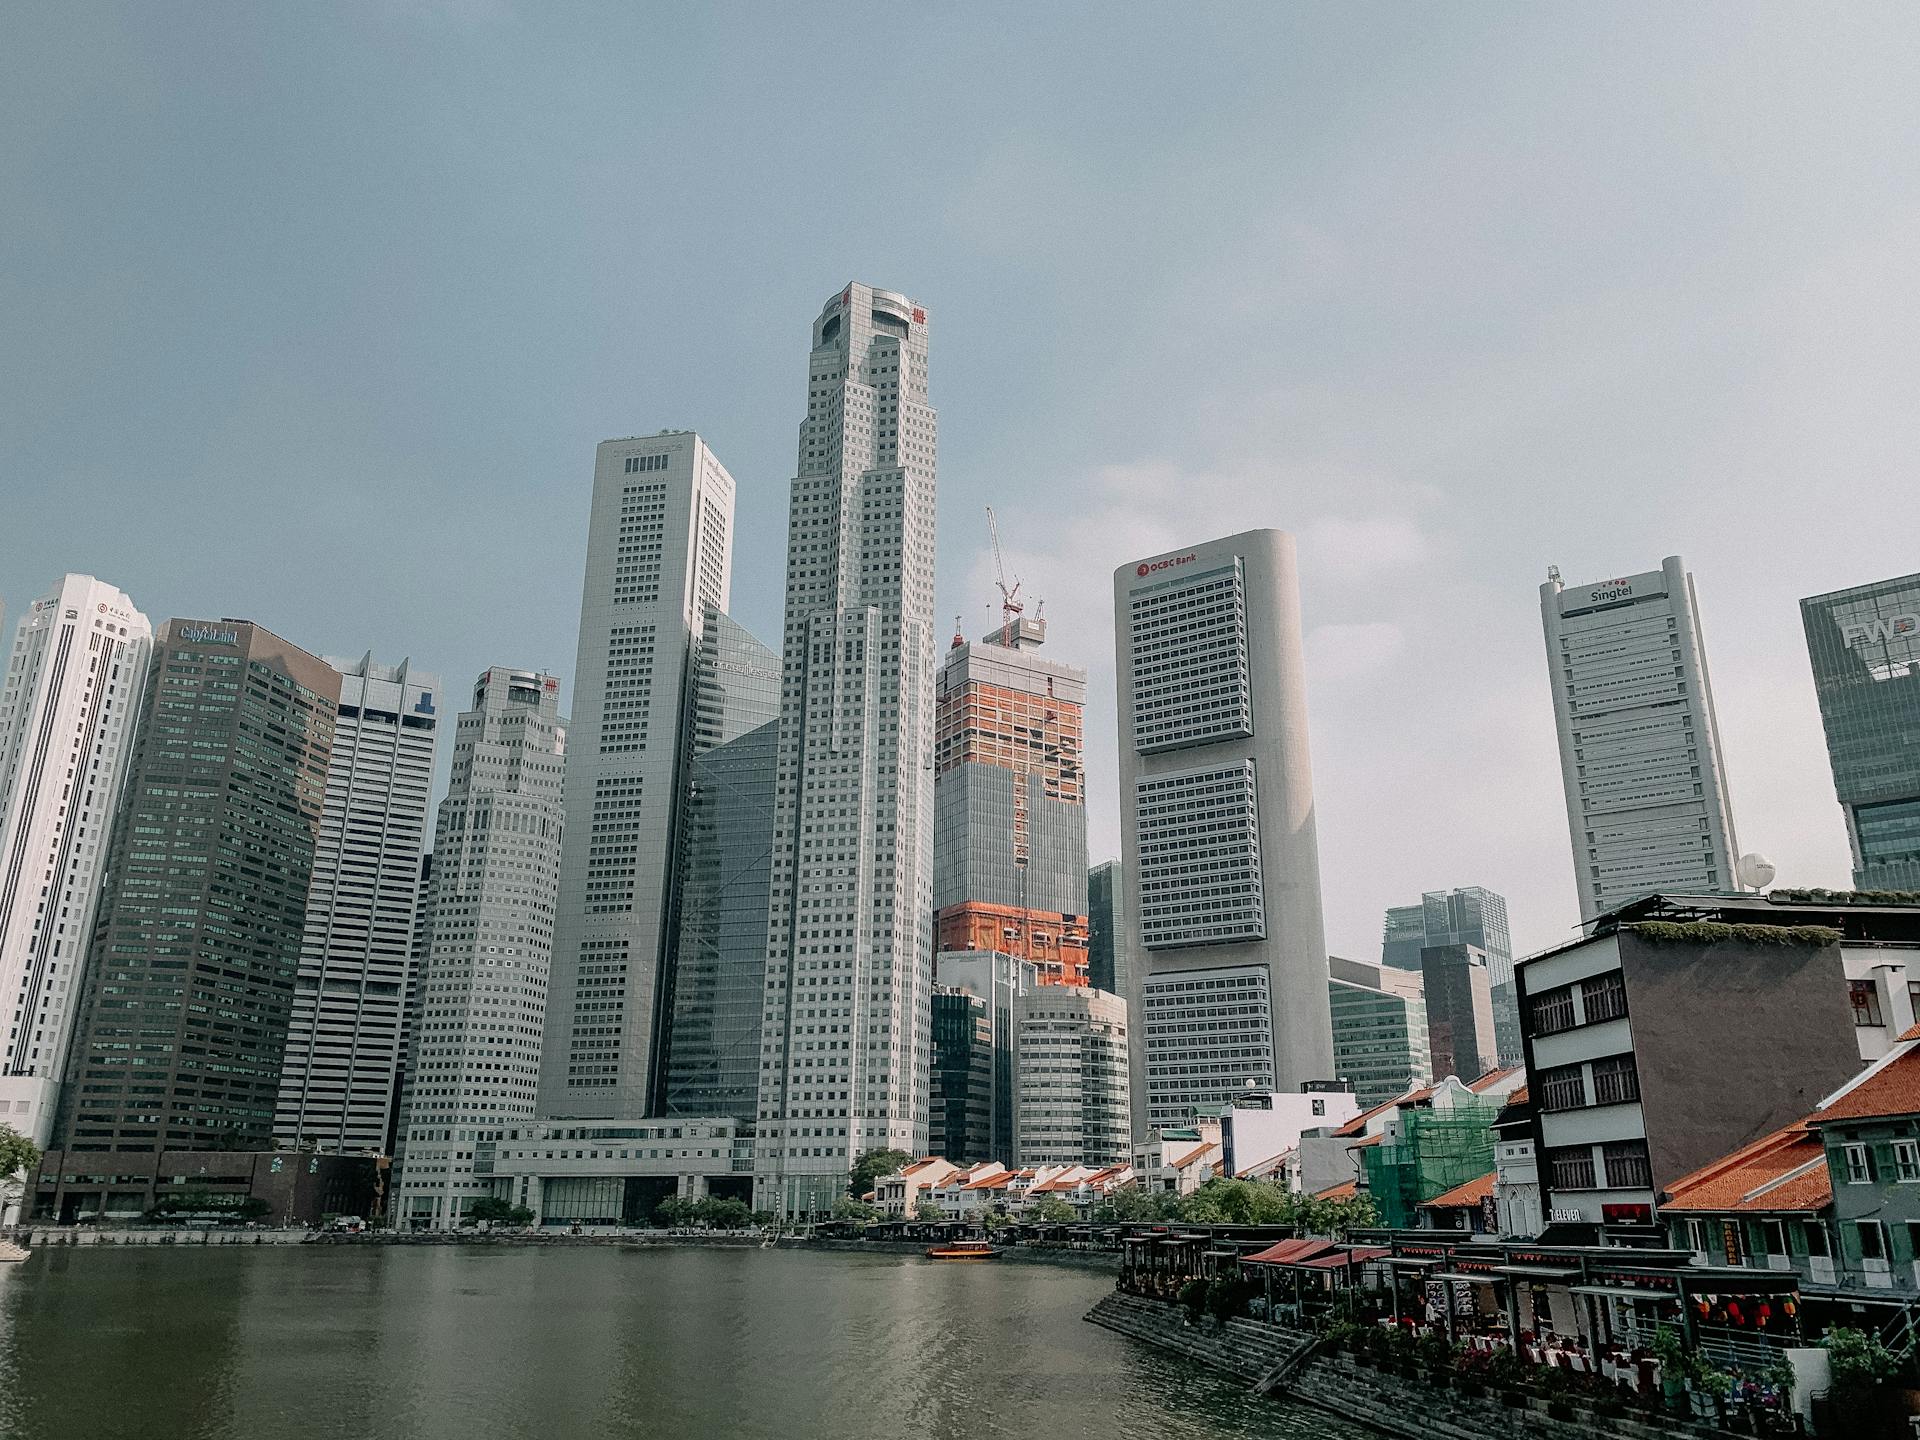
(1883, 630)
(1148, 567)
(208, 635)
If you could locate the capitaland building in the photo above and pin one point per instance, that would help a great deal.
(337, 1084)
(1865, 647)
(474, 1069)
(1640, 757)
(659, 555)
(197, 941)
(69, 705)
(1220, 854)
(845, 1034)
(1009, 804)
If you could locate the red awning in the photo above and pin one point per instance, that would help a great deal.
(1343, 1258)
(1287, 1252)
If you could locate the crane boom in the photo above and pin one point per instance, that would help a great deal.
(1010, 605)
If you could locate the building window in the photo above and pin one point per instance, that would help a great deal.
(1865, 996)
(1817, 1244)
(1906, 1162)
(1572, 1169)
(1774, 1234)
(1615, 1080)
(1553, 1011)
(1604, 997)
(1859, 1164)
(1873, 1239)
(1697, 1238)
(1562, 1088)
(1627, 1165)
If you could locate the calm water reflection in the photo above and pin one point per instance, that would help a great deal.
(463, 1343)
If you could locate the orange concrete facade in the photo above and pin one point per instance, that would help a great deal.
(1056, 944)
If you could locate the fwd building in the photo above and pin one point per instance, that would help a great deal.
(1865, 647)
(1639, 750)
(1221, 861)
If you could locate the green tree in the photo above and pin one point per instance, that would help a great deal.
(872, 1165)
(722, 1214)
(927, 1210)
(674, 1210)
(18, 1159)
(1052, 1210)
(491, 1210)
(848, 1208)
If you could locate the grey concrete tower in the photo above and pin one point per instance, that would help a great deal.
(846, 1033)
(1216, 799)
(1640, 757)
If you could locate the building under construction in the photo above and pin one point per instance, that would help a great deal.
(1009, 808)
(1427, 1152)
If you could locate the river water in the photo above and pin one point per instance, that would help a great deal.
(472, 1343)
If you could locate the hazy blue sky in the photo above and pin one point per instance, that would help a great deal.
(314, 314)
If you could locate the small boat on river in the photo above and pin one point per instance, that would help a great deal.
(963, 1250)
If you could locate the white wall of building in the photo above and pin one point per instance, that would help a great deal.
(659, 550)
(1640, 757)
(846, 1035)
(475, 1066)
(1220, 855)
(69, 705)
(343, 1036)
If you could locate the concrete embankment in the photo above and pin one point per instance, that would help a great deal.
(1411, 1407)
(52, 1236)
(1107, 1260)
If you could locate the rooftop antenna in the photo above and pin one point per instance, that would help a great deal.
(1010, 606)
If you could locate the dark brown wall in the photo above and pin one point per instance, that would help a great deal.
(1733, 1040)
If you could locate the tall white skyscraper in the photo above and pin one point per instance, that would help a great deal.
(659, 553)
(1221, 859)
(845, 1041)
(68, 708)
(475, 1066)
(343, 1040)
(1640, 755)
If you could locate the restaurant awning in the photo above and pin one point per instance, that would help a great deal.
(1340, 1259)
(1539, 1272)
(1479, 1277)
(1623, 1292)
(1287, 1251)
(1414, 1262)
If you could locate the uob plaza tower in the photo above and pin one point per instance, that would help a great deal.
(844, 1039)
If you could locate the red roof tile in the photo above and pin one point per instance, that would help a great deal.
(1358, 1124)
(1288, 1250)
(1889, 1088)
(1782, 1172)
(1345, 1190)
(1490, 1079)
(1469, 1194)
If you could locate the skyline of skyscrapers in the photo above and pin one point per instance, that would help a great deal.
(659, 554)
(196, 942)
(1864, 645)
(342, 1056)
(1640, 756)
(846, 1033)
(482, 1014)
(1467, 915)
(70, 697)
(1219, 851)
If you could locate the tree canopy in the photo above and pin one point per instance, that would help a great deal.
(492, 1210)
(1240, 1202)
(872, 1165)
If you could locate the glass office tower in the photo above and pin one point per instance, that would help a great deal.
(1865, 648)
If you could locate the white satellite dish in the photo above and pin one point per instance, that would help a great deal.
(1754, 871)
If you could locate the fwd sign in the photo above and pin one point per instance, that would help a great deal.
(1881, 631)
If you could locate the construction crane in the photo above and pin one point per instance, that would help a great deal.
(1010, 606)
